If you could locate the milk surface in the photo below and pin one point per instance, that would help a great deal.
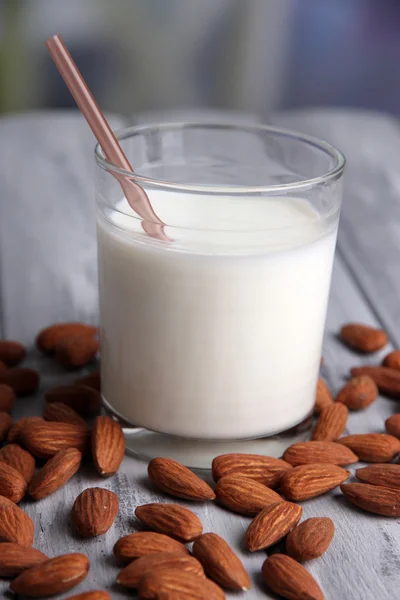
(217, 334)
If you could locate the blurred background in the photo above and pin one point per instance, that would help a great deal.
(250, 55)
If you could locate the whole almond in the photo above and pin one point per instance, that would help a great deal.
(52, 577)
(303, 453)
(7, 398)
(5, 425)
(142, 543)
(272, 524)
(55, 473)
(12, 484)
(174, 584)
(85, 400)
(108, 445)
(21, 460)
(385, 475)
(15, 433)
(23, 381)
(220, 562)
(358, 393)
(373, 498)
(372, 447)
(244, 495)
(392, 360)
(44, 439)
(392, 425)
(131, 575)
(312, 480)
(172, 519)
(49, 337)
(310, 539)
(92, 380)
(387, 380)
(323, 396)
(76, 351)
(94, 511)
(95, 595)
(265, 469)
(289, 579)
(331, 423)
(15, 558)
(363, 338)
(175, 479)
(15, 524)
(11, 353)
(62, 413)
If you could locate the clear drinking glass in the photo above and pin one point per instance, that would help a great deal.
(214, 337)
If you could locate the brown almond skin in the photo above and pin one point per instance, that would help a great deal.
(92, 380)
(244, 495)
(23, 381)
(55, 473)
(85, 400)
(5, 425)
(331, 423)
(131, 575)
(15, 558)
(376, 499)
(62, 413)
(289, 579)
(387, 475)
(142, 543)
(11, 353)
(309, 481)
(15, 433)
(173, 478)
(12, 484)
(95, 595)
(220, 562)
(392, 425)
(76, 351)
(363, 338)
(272, 524)
(387, 380)
(52, 577)
(372, 447)
(7, 398)
(358, 393)
(172, 519)
(94, 511)
(174, 584)
(49, 337)
(310, 539)
(303, 453)
(44, 439)
(108, 445)
(392, 360)
(265, 469)
(15, 524)
(19, 459)
(323, 396)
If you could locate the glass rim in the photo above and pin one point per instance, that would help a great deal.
(302, 184)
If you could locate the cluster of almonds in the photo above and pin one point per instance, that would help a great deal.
(158, 563)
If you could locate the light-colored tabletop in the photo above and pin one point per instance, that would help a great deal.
(48, 274)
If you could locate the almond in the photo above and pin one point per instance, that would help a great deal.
(175, 479)
(15, 558)
(331, 423)
(76, 351)
(12, 484)
(385, 475)
(55, 473)
(323, 396)
(289, 579)
(392, 425)
(92, 380)
(5, 425)
(265, 469)
(19, 459)
(303, 453)
(52, 577)
(392, 360)
(23, 381)
(48, 338)
(363, 338)
(11, 353)
(172, 519)
(272, 524)
(372, 447)
(85, 400)
(95, 595)
(94, 511)
(131, 575)
(373, 498)
(142, 543)
(387, 380)
(44, 439)
(15, 525)
(220, 562)
(108, 445)
(358, 393)
(16, 431)
(174, 584)
(244, 495)
(310, 539)
(7, 398)
(309, 481)
(57, 411)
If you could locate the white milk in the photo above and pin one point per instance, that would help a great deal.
(215, 335)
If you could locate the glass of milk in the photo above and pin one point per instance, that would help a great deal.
(211, 341)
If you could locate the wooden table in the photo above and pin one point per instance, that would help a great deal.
(48, 274)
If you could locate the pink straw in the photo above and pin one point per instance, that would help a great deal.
(134, 193)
